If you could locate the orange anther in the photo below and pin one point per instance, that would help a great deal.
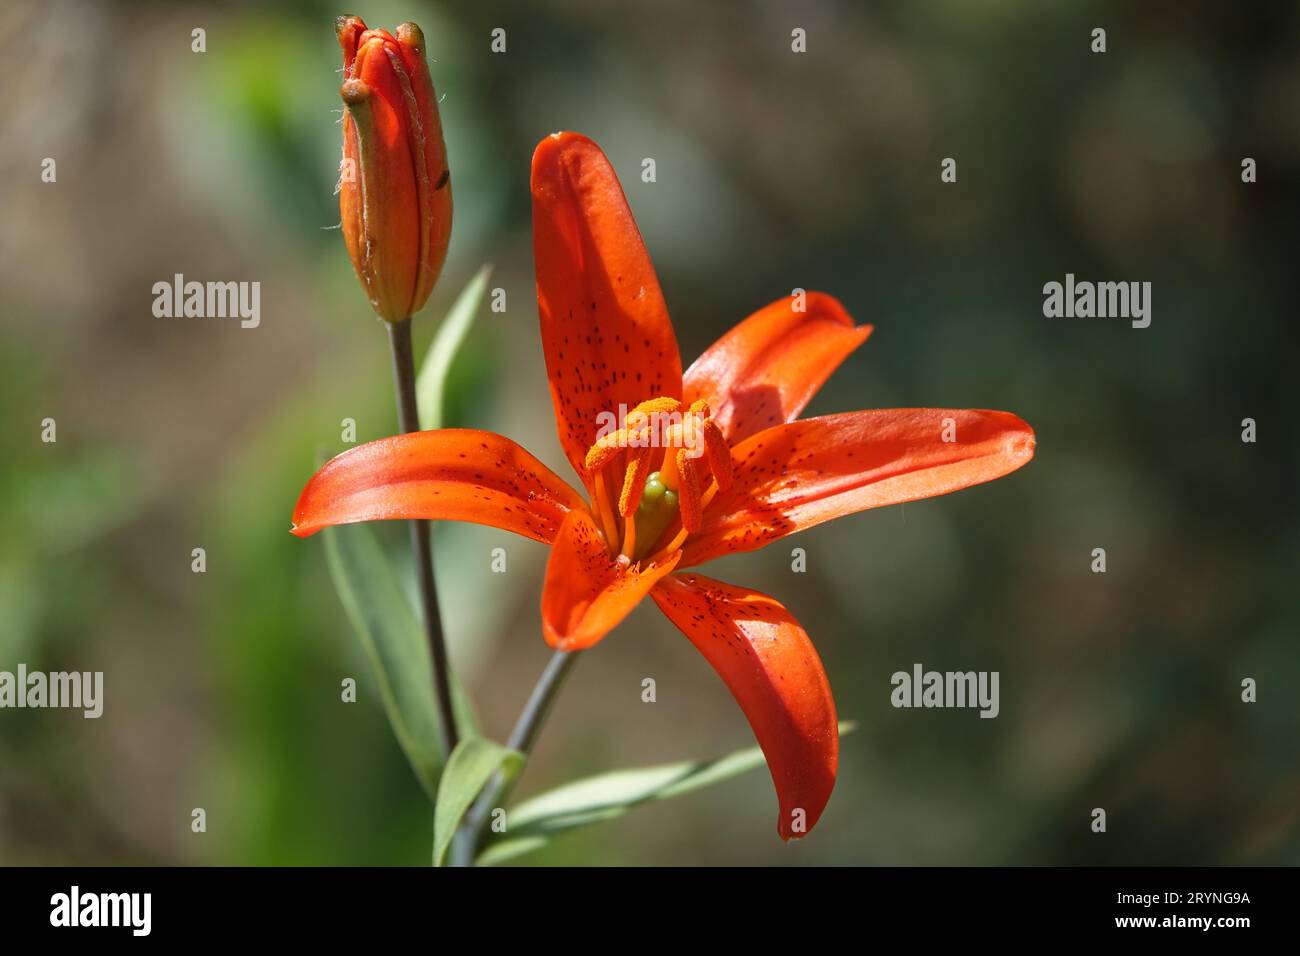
(688, 492)
(718, 453)
(603, 452)
(652, 406)
(638, 470)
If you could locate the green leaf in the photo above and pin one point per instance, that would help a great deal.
(431, 383)
(472, 765)
(389, 628)
(535, 822)
(395, 643)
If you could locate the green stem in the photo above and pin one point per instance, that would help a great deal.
(522, 738)
(399, 337)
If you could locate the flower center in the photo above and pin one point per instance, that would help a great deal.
(663, 506)
(657, 510)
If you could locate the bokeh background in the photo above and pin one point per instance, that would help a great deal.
(775, 170)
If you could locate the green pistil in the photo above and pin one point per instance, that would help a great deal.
(654, 489)
(657, 509)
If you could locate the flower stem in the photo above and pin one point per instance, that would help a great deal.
(399, 337)
(522, 738)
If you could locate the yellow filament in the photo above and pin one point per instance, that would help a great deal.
(608, 524)
(629, 537)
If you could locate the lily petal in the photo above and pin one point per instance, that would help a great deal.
(454, 474)
(770, 666)
(800, 474)
(587, 593)
(767, 369)
(605, 327)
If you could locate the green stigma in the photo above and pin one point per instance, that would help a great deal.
(657, 509)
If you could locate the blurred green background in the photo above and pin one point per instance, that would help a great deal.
(775, 170)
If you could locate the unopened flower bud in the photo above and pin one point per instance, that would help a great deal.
(395, 188)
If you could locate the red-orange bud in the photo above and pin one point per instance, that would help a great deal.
(394, 185)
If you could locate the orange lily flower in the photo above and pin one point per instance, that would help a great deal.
(704, 464)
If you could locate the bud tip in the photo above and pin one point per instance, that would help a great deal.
(411, 35)
(354, 92)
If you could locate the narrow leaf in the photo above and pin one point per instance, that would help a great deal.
(430, 386)
(395, 644)
(471, 766)
(533, 823)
